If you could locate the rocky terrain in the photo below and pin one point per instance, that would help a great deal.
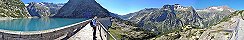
(82, 9)
(174, 18)
(43, 9)
(224, 30)
(167, 18)
(238, 30)
(13, 9)
(214, 15)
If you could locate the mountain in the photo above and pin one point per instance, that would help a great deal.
(138, 16)
(173, 17)
(116, 15)
(127, 16)
(191, 33)
(13, 9)
(43, 9)
(189, 16)
(214, 15)
(82, 9)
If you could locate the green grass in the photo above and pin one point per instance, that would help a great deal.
(115, 33)
(167, 32)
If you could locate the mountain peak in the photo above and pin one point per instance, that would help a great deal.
(82, 9)
(43, 9)
(220, 8)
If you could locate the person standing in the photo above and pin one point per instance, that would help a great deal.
(93, 25)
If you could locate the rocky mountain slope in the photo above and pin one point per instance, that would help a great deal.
(166, 18)
(114, 15)
(127, 16)
(214, 15)
(174, 17)
(224, 30)
(82, 9)
(13, 9)
(43, 9)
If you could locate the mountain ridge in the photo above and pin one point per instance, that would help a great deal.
(43, 9)
(177, 16)
(82, 9)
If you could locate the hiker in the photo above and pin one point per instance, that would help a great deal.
(93, 25)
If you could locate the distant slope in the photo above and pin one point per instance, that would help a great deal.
(13, 9)
(171, 17)
(43, 9)
(214, 15)
(82, 9)
(127, 16)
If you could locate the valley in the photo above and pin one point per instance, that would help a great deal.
(209, 23)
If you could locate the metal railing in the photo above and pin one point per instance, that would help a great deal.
(106, 30)
(242, 15)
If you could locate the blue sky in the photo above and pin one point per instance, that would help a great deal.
(123, 7)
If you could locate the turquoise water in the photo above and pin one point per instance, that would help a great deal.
(37, 24)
